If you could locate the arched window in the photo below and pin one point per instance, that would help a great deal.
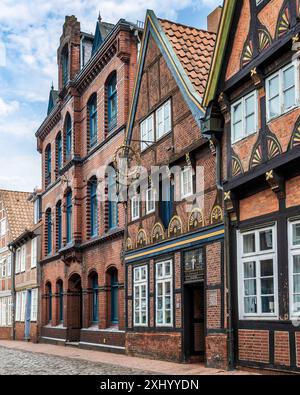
(114, 296)
(58, 226)
(69, 210)
(59, 158)
(49, 302)
(112, 102)
(68, 131)
(48, 165)
(65, 66)
(49, 231)
(60, 291)
(94, 297)
(93, 129)
(93, 206)
(112, 199)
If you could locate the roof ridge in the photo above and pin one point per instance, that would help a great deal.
(187, 26)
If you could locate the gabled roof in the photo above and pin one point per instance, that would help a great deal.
(194, 48)
(187, 52)
(19, 211)
(101, 32)
(219, 52)
(53, 96)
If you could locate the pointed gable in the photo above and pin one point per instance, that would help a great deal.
(187, 52)
(19, 211)
(194, 48)
(53, 96)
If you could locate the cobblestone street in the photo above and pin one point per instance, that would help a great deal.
(26, 363)
(23, 358)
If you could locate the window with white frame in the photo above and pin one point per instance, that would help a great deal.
(282, 91)
(186, 182)
(33, 253)
(164, 293)
(18, 260)
(294, 268)
(5, 311)
(3, 227)
(140, 292)
(34, 304)
(257, 267)
(23, 258)
(9, 259)
(163, 120)
(3, 266)
(147, 132)
(18, 306)
(244, 117)
(21, 305)
(150, 201)
(135, 208)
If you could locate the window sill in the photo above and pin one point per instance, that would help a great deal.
(244, 138)
(277, 117)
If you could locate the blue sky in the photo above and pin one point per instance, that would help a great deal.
(29, 37)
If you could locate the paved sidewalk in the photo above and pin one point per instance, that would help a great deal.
(123, 361)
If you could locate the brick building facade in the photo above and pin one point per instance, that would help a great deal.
(82, 278)
(254, 86)
(175, 294)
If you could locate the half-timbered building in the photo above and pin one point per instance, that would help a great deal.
(175, 296)
(254, 87)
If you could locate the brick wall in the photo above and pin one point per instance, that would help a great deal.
(154, 345)
(261, 203)
(282, 348)
(254, 346)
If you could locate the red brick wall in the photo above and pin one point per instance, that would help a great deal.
(5, 333)
(20, 331)
(155, 345)
(282, 348)
(261, 203)
(254, 346)
(216, 351)
(293, 192)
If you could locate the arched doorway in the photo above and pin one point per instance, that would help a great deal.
(74, 308)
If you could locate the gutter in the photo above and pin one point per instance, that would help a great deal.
(227, 242)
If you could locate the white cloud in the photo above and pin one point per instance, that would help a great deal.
(7, 108)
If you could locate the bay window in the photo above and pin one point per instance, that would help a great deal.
(257, 267)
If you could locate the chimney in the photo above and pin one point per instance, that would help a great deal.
(213, 20)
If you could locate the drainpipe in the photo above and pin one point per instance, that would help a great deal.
(230, 340)
(12, 249)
